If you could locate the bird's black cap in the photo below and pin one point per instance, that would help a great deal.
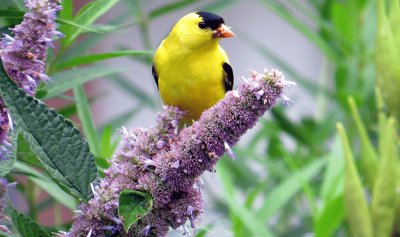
(211, 20)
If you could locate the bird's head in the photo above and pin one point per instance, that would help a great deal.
(200, 28)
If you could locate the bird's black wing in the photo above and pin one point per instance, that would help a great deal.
(154, 72)
(228, 77)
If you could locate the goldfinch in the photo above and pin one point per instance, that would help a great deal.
(190, 69)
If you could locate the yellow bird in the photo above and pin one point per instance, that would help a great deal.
(191, 70)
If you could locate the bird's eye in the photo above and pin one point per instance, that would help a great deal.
(202, 25)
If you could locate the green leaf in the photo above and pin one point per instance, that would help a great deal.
(122, 119)
(57, 144)
(354, 199)
(369, 160)
(133, 205)
(25, 226)
(133, 90)
(308, 32)
(25, 154)
(67, 80)
(169, 7)
(254, 224)
(85, 117)
(332, 185)
(108, 146)
(87, 16)
(330, 218)
(83, 28)
(11, 13)
(384, 193)
(284, 192)
(47, 185)
(87, 59)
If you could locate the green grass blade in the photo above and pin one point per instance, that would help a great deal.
(330, 218)
(168, 8)
(307, 83)
(286, 190)
(121, 120)
(86, 119)
(87, 16)
(254, 224)
(47, 185)
(66, 80)
(88, 59)
(75, 25)
(307, 31)
(10, 13)
(332, 185)
(133, 90)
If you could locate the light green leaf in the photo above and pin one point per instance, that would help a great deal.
(87, 59)
(278, 197)
(25, 226)
(354, 198)
(47, 185)
(254, 224)
(57, 144)
(332, 185)
(384, 193)
(330, 218)
(133, 205)
(369, 160)
(297, 23)
(169, 7)
(133, 90)
(85, 117)
(83, 28)
(67, 80)
(87, 16)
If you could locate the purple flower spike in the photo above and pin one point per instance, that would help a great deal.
(168, 164)
(24, 55)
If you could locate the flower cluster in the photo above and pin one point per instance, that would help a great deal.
(24, 55)
(167, 163)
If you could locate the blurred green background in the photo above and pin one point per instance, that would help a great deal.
(326, 165)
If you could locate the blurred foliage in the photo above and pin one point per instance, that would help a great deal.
(314, 187)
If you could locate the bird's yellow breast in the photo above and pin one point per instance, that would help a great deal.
(191, 79)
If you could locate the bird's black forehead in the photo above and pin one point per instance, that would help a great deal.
(212, 20)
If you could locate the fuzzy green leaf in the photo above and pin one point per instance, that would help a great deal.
(133, 205)
(24, 225)
(55, 141)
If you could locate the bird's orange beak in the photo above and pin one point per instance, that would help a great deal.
(223, 31)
